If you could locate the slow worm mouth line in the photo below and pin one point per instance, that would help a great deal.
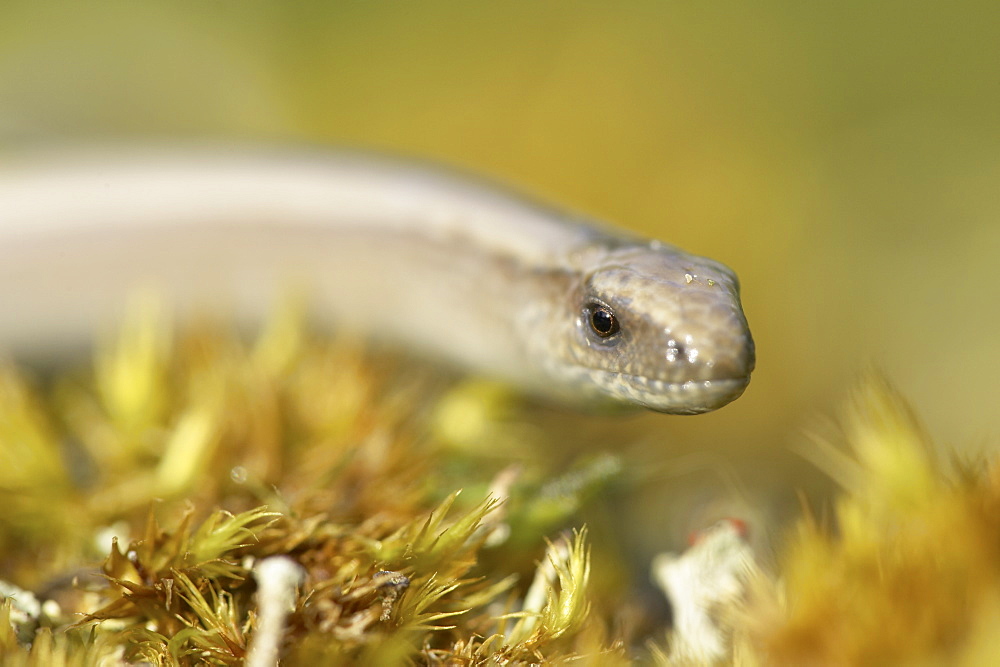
(688, 397)
(672, 385)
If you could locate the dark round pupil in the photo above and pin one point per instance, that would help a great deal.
(603, 321)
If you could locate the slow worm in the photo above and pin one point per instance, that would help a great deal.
(429, 259)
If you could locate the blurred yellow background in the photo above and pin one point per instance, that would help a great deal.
(843, 158)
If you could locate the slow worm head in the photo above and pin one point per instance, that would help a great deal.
(648, 324)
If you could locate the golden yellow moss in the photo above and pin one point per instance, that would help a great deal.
(182, 462)
(141, 495)
(910, 571)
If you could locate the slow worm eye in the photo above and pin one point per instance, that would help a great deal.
(603, 320)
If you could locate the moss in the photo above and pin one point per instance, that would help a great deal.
(142, 492)
(909, 570)
(156, 501)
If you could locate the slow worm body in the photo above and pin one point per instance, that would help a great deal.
(425, 258)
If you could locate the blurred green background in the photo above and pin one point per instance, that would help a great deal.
(843, 158)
